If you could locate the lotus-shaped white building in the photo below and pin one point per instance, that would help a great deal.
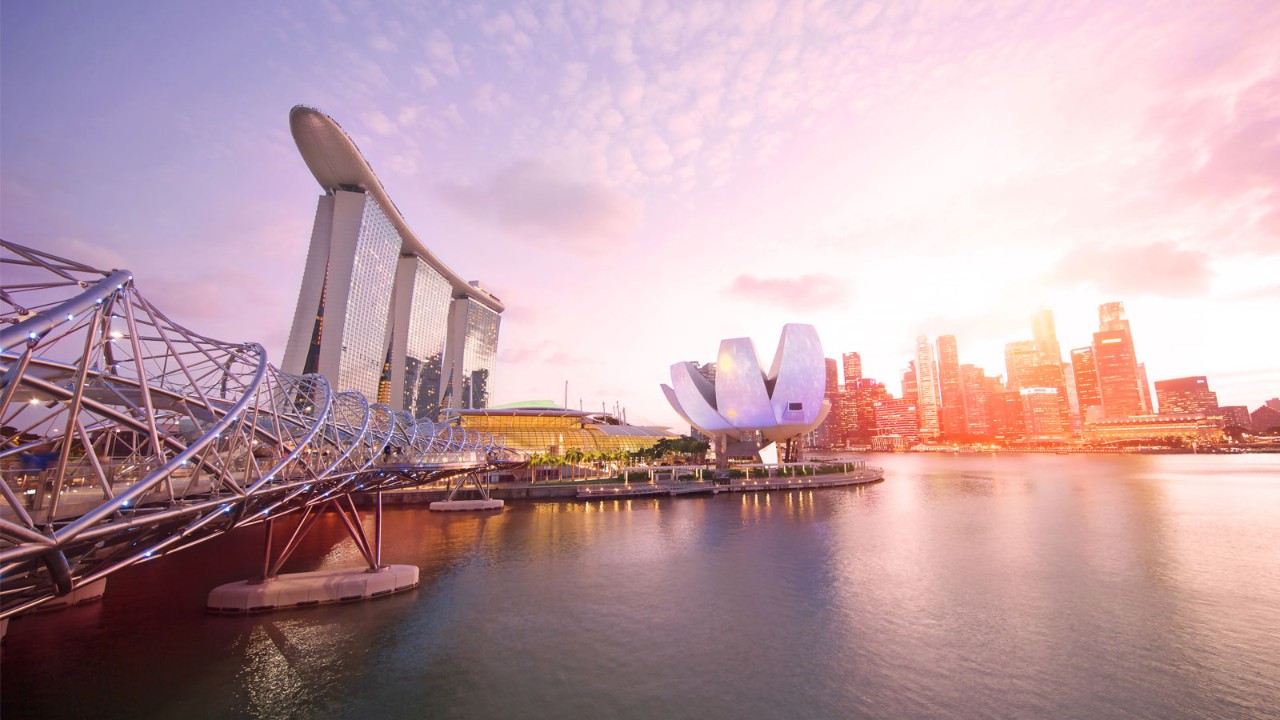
(781, 405)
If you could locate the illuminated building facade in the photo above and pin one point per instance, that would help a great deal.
(951, 387)
(555, 431)
(1045, 337)
(1264, 419)
(927, 389)
(378, 312)
(1042, 413)
(866, 393)
(897, 424)
(1181, 396)
(1234, 416)
(1019, 357)
(1194, 428)
(852, 369)
(977, 400)
(1085, 372)
(1117, 371)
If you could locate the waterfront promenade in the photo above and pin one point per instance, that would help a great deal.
(668, 481)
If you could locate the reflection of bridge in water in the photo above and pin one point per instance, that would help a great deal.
(127, 437)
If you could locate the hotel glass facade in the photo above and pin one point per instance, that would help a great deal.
(377, 313)
(425, 341)
(364, 335)
(472, 359)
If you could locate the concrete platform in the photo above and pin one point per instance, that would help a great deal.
(297, 590)
(456, 505)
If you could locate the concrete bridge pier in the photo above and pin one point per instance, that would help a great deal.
(275, 591)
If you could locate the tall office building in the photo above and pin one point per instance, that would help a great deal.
(909, 385)
(1019, 357)
(828, 433)
(1234, 416)
(866, 393)
(1086, 377)
(1045, 337)
(1116, 363)
(1111, 317)
(951, 387)
(378, 312)
(852, 369)
(1042, 413)
(927, 389)
(897, 418)
(1185, 396)
(1074, 413)
(1144, 389)
(977, 400)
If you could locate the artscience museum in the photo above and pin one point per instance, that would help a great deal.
(745, 409)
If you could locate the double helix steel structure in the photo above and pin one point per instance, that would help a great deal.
(126, 436)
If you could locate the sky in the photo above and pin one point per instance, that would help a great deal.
(637, 180)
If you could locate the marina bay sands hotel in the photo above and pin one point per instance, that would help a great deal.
(378, 312)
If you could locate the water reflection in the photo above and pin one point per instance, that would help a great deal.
(1038, 586)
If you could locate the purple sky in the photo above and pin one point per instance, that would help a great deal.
(637, 181)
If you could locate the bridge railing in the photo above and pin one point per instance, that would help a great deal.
(124, 436)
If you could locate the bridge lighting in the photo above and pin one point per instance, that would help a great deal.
(32, 336)
(149, 553)
(71, 316)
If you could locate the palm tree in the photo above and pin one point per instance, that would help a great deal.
(573, 456)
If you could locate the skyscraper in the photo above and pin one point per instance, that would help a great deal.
(910, 387)
(1186, 395)
(1086, 376)
(951, 387)
(852, 369)
(1042, 413)
(1019, 357)
(829, 431)
(1144, 388)
(977, 400)
(866, 393)
(1116, 363)
(927, 388)
(377, 310)
(1045, 336)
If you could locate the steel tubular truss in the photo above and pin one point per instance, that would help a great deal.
(125, 436)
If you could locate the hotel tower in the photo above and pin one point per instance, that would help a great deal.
(378, 312)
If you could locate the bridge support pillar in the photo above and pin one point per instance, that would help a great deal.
(276, 591)
(484, 503)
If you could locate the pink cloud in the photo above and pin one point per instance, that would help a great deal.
(1161, 268)
(806, 293)
(530, 198)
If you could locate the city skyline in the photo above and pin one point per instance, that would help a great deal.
(1037, 396)
(928, 172)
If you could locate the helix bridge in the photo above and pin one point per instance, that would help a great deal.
(127, 437)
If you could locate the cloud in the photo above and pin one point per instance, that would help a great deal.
(806, 293)
(532, 199)
(1161, 268)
